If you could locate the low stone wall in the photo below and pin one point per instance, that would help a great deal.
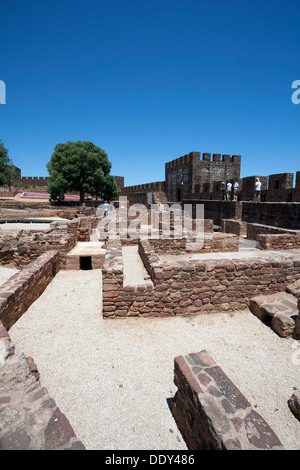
(193, 286)
(253, 230)
(24, 287)
(212, 413)
(279, 242)
(217, 210)
(211, 243)
(280, 214)
(234, 226)
(19, 248)
(119, 301)
(273, 238)
(29, 418)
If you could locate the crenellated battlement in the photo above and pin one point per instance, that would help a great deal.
(42, 181)
(148, 187)
(192, 157)
(25, 181)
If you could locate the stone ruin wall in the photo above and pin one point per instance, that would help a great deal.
(267, 236)
(276, 214)
(189, 287)
(214, 243)
(19, 248)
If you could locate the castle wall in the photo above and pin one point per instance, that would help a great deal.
(25, 182)
(138, 194)
(192, 174)
(277, 214)
(40, 182)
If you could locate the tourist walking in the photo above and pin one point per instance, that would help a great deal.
(106, 208)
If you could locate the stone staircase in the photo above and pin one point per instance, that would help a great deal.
(280, 310)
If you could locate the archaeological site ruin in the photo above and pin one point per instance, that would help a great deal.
(158, 262)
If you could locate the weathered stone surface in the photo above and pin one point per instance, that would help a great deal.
(279, 309)
(211, 412)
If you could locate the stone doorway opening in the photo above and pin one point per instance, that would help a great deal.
(85, 262)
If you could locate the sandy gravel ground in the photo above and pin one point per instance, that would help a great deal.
(6, 273)
(112, 378)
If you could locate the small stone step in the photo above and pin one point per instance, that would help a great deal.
(280, 310)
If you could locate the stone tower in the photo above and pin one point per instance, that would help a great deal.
(190, 175)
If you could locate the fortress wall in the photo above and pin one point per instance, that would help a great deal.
(197, 174)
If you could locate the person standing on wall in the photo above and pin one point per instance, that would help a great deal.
(235, 190)
(257, 189)
(228, 191)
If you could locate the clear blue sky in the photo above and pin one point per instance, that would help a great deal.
(149, 81)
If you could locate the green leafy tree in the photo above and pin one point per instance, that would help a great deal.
(82, 167)
(6, 167)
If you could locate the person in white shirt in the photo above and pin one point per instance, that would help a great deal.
(257, 189)
(235, 190)
(228, 191)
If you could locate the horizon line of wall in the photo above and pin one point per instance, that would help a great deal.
(276, 187)
(205, 157)
(274, 181)
(43, 180)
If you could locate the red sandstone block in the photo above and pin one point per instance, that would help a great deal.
(144, 309)
(110, 287)
(175, 285)
(129, 288)
(199, 267)
(207, 408)
(110, 294)
(121, 312)
(162, 287)
(110, 308)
